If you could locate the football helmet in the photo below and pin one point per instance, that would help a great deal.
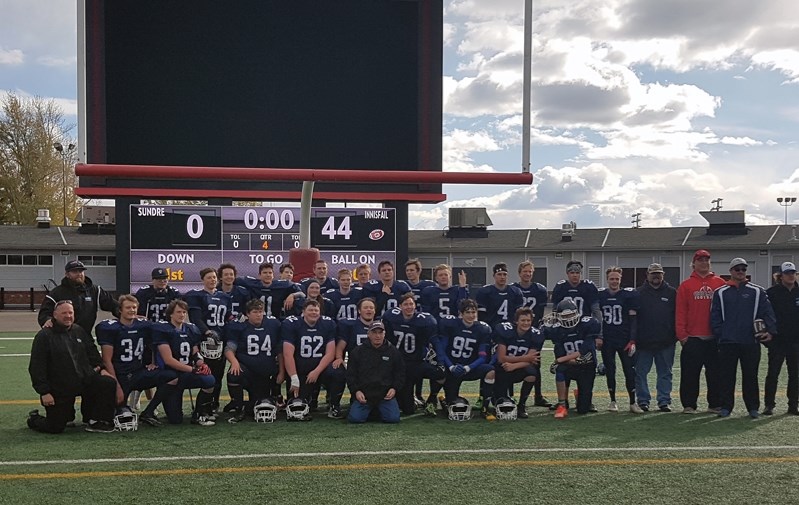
(297, 409)
(506, 409)
(265, 411)
(211, 347)
(459, 409)
(126, 420)
(568, 314)
(432, 358)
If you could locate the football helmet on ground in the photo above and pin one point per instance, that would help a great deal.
(126, 420)
(265, 411)
(506, 409)
(459, 409)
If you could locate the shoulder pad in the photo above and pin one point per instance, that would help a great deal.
(326, 318)
(587, 319)
(602, 289)
(111, 322)
(629, 289)
(291, 318)
(483, 325)
(587, 281)
(562, 281)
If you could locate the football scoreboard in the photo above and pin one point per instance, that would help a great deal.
(185, 239)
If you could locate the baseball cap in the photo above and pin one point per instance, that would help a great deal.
(701, 253)
(159, 273)
(376, 325)
(654, 268)
(738, 261)
(74, 265)
(787, 267)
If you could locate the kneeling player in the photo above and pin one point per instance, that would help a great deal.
(575, 355)
(462, 346)
(122, 343)
(518, 357)
(254, 351)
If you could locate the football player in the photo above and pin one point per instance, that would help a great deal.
(309, 346)
(320, 275)
(154, 299)
(413, 272)
(518, 356)
(239, 295)
(581, 291)
(386, 292)
(254, 350)
(177, 344)
(278, 296)
(575, 354)
(462, 347)
(363, 274)
(443, 299)
(314, 292)
(345, 298)
(535, 298)
(411, 332)
(209, 309)
(619, 308)
(498, 302)
(287, 272)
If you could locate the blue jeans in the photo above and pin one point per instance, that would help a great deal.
(664, 360)
(389, 411)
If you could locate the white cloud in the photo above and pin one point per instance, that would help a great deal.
(740, 141)
(11, 56)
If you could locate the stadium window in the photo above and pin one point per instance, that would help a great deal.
(29, 259)
(14, 259)
(86, 260)
(3, 259)
(99, 261)
(45, 259)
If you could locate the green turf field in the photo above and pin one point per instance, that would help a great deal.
(599, 458)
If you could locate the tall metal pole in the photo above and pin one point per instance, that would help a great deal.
(305, 214)
(527, 83)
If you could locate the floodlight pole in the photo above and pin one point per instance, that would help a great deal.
(305, 214)
(527, 83)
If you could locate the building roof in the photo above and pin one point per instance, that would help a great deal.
(55, 238)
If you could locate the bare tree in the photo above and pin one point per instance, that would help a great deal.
(33, 175)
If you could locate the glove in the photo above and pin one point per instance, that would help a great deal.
(202, 369)
(457, 370)
(630, 348)
(553, 368)
(585, 359)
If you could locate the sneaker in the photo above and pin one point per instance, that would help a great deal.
(644, 407)
(334, 412)
(754, 414)
(202, 420)
(635, 409)
(521, 412)
(664, 408)
(613, 407)
(418, 401)
(237, 416)
(230, 407)
(150, 420)
(99, 427)
(212, 416)
(723, 413)
(430, 409)
(689, 410)
(561, 412)
(714, 410)
(768, 411)
(542, 402)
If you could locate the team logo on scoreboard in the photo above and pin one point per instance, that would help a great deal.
(377, 234)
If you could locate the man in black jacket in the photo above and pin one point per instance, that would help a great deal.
(375, 372)
(65, 364)
(784, 348)
(657, 338)
(84, 295)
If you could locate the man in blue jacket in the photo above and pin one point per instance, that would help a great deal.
(735, 308)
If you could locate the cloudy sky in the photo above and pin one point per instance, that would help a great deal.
(638, 106)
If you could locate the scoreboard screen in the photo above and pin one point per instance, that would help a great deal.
(185, 239)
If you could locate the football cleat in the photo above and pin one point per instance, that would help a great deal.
(613, 407)
(561, 411)
(201, 419)
(150, 420)
(507, 409)
(635, 409)
(600, 369)
(99, 427)
(542, 402)
(126, 420)
(334, 412)
(265, 411)
(430, 409)
(459, 409)
(236, 416)
(298, 409)
(418, 402)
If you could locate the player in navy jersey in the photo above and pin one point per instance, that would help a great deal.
(278, 296)
(498, 302)
(177, 344)
(209, 309)
(518, 357)
(239, 295)
(254, 350)
(535, 298)
(443, 299)
(287, 272)
(413, 272)
(320, 276)
(345, 298)
(314, 292)
(154, 299)
(387, 291)
(582, 291)
(412, 332)
(462, 346)
(123, 344)
(619, 308)
(575, 354)
(363, 274)
(309, 346)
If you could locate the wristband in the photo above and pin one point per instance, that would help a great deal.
(295, 381)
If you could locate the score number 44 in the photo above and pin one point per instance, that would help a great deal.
(332, 231)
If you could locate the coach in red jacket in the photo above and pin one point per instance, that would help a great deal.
(699, 348)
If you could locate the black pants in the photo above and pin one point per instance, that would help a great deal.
(584, 377)
(695, 354)
(415, 370)
(609, 352)
(98, 400)
(749, 357)
(334, 383)
(217, 367)
(780, 352)
(506, 380)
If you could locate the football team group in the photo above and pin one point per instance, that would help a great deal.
(278, 344)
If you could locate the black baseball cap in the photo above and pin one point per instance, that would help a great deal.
(159, 273)
(376, 325)
(74, 265)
